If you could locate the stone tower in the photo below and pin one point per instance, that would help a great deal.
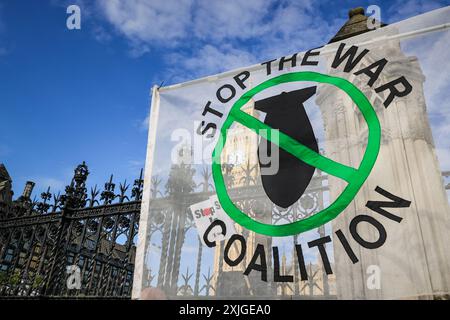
(414, 261)
(5, 186)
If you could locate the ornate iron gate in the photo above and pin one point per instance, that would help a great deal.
(73, 244)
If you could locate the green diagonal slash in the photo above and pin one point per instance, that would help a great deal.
(354, 177)
(294, 147)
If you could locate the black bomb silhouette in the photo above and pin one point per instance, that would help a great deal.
(286, 113)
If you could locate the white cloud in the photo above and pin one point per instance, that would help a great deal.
(218, 20)
(209, 59)
(402, 9)
(100, 34)
(145, 123)
(289, 28)
(212, 36)
(144, 22)
(215, 21)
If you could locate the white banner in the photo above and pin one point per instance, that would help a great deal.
(329, 167)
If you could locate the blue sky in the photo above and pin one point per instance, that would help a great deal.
(73, 95)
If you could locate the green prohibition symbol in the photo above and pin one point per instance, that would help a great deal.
(354, 177)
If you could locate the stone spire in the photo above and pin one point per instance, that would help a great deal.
(355, 25)
(5, 185)
(4, 175)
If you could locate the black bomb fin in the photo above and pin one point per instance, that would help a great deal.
(286, 113)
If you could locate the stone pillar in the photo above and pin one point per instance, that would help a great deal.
(415, 260)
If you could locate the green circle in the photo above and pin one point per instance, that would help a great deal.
(354, 177)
